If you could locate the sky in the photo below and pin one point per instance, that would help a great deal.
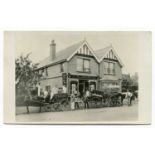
(127, 45)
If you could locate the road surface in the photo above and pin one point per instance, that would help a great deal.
(98, 115)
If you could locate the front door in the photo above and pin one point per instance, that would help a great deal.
(83, 86)
(81, 89)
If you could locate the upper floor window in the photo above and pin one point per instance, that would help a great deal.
(83, 65)
(109, 68)
(62, 67)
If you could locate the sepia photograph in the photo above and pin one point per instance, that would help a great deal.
(77, 77)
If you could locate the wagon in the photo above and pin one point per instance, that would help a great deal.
(114, 99)
(102, 99)
(59, 102)
(96, 99)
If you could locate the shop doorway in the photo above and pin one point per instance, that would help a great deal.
(83, 86)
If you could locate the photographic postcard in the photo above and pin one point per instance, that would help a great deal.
(77, 77)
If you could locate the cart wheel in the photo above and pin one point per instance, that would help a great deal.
(48, 108)
(119, 103)
(111, 104)
(115, 103)
(56, 106)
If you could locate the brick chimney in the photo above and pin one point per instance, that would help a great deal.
(52, 50)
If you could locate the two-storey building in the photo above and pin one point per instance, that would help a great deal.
(79, 67)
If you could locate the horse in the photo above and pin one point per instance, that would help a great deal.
(128, 95)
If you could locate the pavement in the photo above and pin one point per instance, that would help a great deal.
(97, 115)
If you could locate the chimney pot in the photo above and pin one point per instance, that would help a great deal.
(52, 50)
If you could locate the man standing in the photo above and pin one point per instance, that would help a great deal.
(129, 97)
(45, 94)
(77, 100)
(54, 91)
(38, 88)
(87, 94)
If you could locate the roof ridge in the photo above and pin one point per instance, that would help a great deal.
(80, 42)
(44, 59)
(103, 48)
(62, 54)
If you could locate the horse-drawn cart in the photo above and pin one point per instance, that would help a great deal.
(59, 102)
(102, 99)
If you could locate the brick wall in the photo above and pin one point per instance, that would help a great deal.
(72, 65)
(51, 82)
(54, 71)
(118, 71)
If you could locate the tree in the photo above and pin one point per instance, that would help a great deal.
(130, 82)
(25, 77)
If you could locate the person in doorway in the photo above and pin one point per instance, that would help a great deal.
(87, 94)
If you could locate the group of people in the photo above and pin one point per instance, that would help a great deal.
(76, 99)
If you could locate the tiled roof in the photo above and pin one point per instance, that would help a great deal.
(101, 52)
(64, 54)
(61, 55)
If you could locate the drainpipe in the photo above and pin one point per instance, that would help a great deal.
(99, 76)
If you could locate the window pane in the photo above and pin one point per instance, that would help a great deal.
(79, 65)
(111, 65)
(106, 64)
(86, 65)
(111, 68)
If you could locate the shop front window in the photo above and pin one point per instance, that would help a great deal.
(110, 86)
(73, 87)
(92, 87)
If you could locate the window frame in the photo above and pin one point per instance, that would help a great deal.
(83, 68)
(77, 65)
(109, 70)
